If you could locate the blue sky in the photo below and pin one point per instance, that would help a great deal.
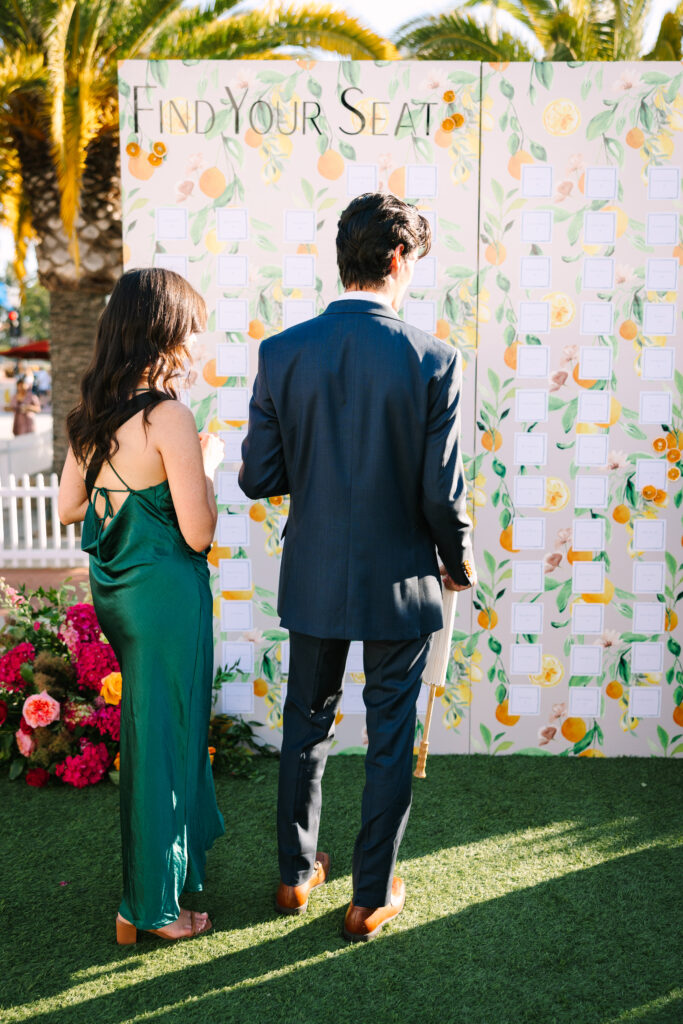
(384, 16)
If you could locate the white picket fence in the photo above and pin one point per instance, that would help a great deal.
(31, 534)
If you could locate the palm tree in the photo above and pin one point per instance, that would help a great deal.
(564, 30)
(59, 169)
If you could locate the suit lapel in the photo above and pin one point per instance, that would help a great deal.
(361, 306)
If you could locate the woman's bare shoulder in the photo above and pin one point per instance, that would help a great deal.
(172, 414)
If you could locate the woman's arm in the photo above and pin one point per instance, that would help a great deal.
(73, 499)
(190, 465)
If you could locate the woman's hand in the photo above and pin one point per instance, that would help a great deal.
(213, 452)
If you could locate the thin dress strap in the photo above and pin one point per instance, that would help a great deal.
(133, 406)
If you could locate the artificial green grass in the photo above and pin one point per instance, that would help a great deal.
(539, 890)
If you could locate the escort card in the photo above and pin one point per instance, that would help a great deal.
(529, 491)
(232, 224)
(527, 617)
(588, 619)
(645, 701)
(524, 699)
(588, 577)
(528, 577)
(648, 577)
(647, 656)
(525, 659)
(649, 534)
(599, 228)
(531, 405)
(171, 222)
(648, 617)
(598, 273)
(233, 531)
(585, 659)
(236, 616)
(233, 271)
(533, 361)
(600, 182)
(588, 535)
(299, 226)
(528, 534)
(595, 362)
(537, 181)
(585, 701)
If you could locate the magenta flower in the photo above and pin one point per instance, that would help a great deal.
(10, 666)
(86, 768)
(94, 661)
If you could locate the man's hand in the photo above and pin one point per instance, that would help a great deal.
(450, 585)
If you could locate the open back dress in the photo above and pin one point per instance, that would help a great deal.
(153, 601)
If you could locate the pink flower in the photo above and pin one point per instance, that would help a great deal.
(95, 660)
(73, 713)
(546, 734)
(194, 162)
(575, 163)
(558, 710)
(25, 742)
(69, 635)
(183, 190)
(86, 768)
(627, 80)
(10, 665)
(36, 626)
(564, 188)
(84, 620)
(563, 536)
(558, 379)
(107, 721)
(569, 354)
(3, 712)
(12, 596)
(551, 562)
(40, 709)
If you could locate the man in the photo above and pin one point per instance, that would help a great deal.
(356, 415)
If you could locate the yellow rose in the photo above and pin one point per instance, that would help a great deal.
(117, 763)
(111, 688)
(212, 754)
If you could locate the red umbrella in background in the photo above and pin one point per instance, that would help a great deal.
(32, 350)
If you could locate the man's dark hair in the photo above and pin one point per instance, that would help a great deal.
(369, 229)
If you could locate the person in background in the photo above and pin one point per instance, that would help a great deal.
(42, 385)
(24, 404)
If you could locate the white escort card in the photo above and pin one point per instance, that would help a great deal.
(649, 577)
(233, 531)
(233, 271)
(585, 659)
(528, 577)
(232, 224)
(585, 701)
(595, 362)
(533, 361)
(524, 699)
(645, 701)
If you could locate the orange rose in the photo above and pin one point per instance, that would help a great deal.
(111, 688)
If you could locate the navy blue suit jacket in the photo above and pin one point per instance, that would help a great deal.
(356, 415)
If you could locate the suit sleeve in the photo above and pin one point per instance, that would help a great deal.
(263, 472)
(444, 491)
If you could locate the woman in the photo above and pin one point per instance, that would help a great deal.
(141, 478)
(24, 404)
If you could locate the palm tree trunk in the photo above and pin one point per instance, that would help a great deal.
(73, 323)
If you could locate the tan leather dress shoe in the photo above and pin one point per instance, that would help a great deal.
(364, 923)
(293, 899)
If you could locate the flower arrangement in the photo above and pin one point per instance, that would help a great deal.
(60, 689)
(60, 697)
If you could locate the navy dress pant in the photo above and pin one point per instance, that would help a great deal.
(393, 675)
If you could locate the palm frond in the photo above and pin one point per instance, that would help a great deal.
(255, 32)
(457, 37)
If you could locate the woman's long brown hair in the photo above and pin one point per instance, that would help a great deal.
(142, 332)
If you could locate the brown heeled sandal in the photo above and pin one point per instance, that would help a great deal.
(127, 933)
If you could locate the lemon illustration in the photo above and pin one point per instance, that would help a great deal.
(212, 243)
(556, 494)
(561, 117)
(551, 671)
(562, 309)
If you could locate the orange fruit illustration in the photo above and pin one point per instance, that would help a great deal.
(487, 618)
(502, 714)
(621, 514)
(603, 598)
(614, 689)
(443, 329)
(260, 687)
(256, 329)
(216, 553)
(331, 165)
(635, 138)
(212, 182)
(628, 330)
(211, 377)
(510, 357)
(506, 539)
(670, 620)
(495, 253)
(573, 729)
(516, 160)
(257, 512)
(678, 714)
(140, 167)
(132, 149)
(491, 441)
(583, 383)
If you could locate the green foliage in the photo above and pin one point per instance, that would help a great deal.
(238, 750)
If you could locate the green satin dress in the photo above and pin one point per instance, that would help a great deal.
(153, 601)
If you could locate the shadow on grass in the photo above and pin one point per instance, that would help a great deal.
(548, 953)
(585, 946)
